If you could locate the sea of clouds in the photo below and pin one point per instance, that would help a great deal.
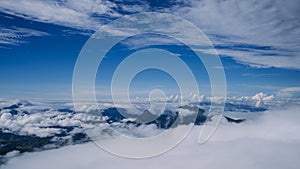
(270, 140)
(41, 118)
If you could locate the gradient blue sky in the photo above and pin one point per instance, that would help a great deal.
(39, 42)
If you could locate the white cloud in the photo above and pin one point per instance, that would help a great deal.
(271, 141)
(279, 124)
(42, 118)
(70, 13)
(135, 8)
(289, 92)
(15, 35)
(261, 34)
(35, 124)
(261, 98)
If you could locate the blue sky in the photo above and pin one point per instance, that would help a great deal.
(40, 42)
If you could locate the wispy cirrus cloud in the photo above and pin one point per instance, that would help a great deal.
(289, 92)
(16, 35)
(75, 14)
(256, 33)
(81, 15)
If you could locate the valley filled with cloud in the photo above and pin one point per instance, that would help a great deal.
(265, 132)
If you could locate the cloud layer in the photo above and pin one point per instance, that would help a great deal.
(270, 141)
(256, 33)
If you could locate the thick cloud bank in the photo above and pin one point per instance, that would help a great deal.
(269, 141)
